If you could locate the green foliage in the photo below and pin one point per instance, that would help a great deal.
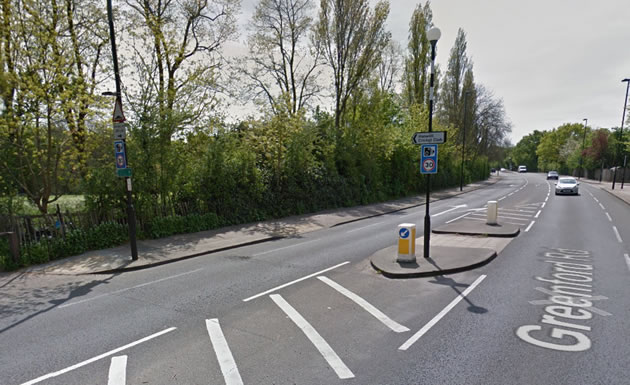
(171, 225)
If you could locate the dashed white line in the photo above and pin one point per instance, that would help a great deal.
(93, 359)
(365, 227)
(117, 371)
(617, 234)
(627, 257)
(530, 226)
(546, 199)
(326, 351)
(126, 289)
(602, 206)
(502, 198)
(295, 281)
(543, 205)
(440, 315)
(395, 326)
(596, 200)
(285, 247)
(608, 216)
(223, 352)
(537, 214)
(459, 217)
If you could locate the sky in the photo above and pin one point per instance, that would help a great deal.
(550, 61)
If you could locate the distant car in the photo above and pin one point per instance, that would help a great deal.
(552, 175)
(522, 168)
(503, 169)
(567, 186)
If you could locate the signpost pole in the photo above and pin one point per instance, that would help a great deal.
(434, 35)
(131, 214)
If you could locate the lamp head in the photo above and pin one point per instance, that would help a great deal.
(434, 34)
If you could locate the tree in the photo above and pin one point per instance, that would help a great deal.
(389, 67)
(549, 150)
(451, 89)
(281, 64)
(353, 38)
(418, 56)
(524, 153)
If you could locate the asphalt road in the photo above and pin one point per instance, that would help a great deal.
(551, 309)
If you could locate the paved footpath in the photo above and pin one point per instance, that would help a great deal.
(156, 252)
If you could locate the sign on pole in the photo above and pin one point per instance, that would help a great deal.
(118, 112)
(429, 159)
(121, 157)
(120, 130)
(434, 137)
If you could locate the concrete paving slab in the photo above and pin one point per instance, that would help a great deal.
(478, 228)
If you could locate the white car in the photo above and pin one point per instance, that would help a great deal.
(567, 186)
(522, 168)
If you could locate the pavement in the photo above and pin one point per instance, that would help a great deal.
(474, 246)
(618, 192)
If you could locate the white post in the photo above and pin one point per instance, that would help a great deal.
(492, 213)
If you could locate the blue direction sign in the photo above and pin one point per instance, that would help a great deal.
(429, 159)
(121, 157)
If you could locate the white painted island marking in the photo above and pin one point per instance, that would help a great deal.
(93, 359)
(117, 371)
(449, 210)
(440, 315)
(316, 339)
(223, 352)
(292, 282)
(530, 226)
(285, 247)
(390, 323)
(459, 217)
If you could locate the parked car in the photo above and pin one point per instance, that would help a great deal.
(522, 168)
(552, 175)
(567, 186)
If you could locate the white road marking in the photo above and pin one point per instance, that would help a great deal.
(93, 359)
(459, 217)
(501, 211)
(543, 205)
(316, 339)
(602, 206)
(292, 282)
(440, 315)
(537, 214)
(126, 289)
(530, 226)
(395, 326)
(617, 234)
(223, 352)
(546, 199)
(505, 217)
(517, 210)
(117, 371)
(502, 198)
(285, 247)
(365, 227)
(449, 210)
(627, 260)
(608, 216)
(596, 200)
(510, 194)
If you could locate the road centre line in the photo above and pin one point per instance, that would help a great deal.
(627, 257)
(617, 234)
(286, 247)
(537, 214)
(602, 206)
(93, 359)
(608, 216)
(117, 371)
(530, 226)
(316, 339)
(459, 217)
(365, 227)
(596, 200)
(127, 289)
(295, 281)
(223, 352)
(440, 315)
(395, 326)
(543, 205)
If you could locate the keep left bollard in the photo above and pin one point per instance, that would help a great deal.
(406, 243)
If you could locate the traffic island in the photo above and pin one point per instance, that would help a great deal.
(443, 260)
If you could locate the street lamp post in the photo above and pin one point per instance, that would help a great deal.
(623, 116)
(582, 153)
(461, 170)
(131, 214)
(433, 35)
(623, 149)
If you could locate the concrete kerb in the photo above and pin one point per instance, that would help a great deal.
(601, 186)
